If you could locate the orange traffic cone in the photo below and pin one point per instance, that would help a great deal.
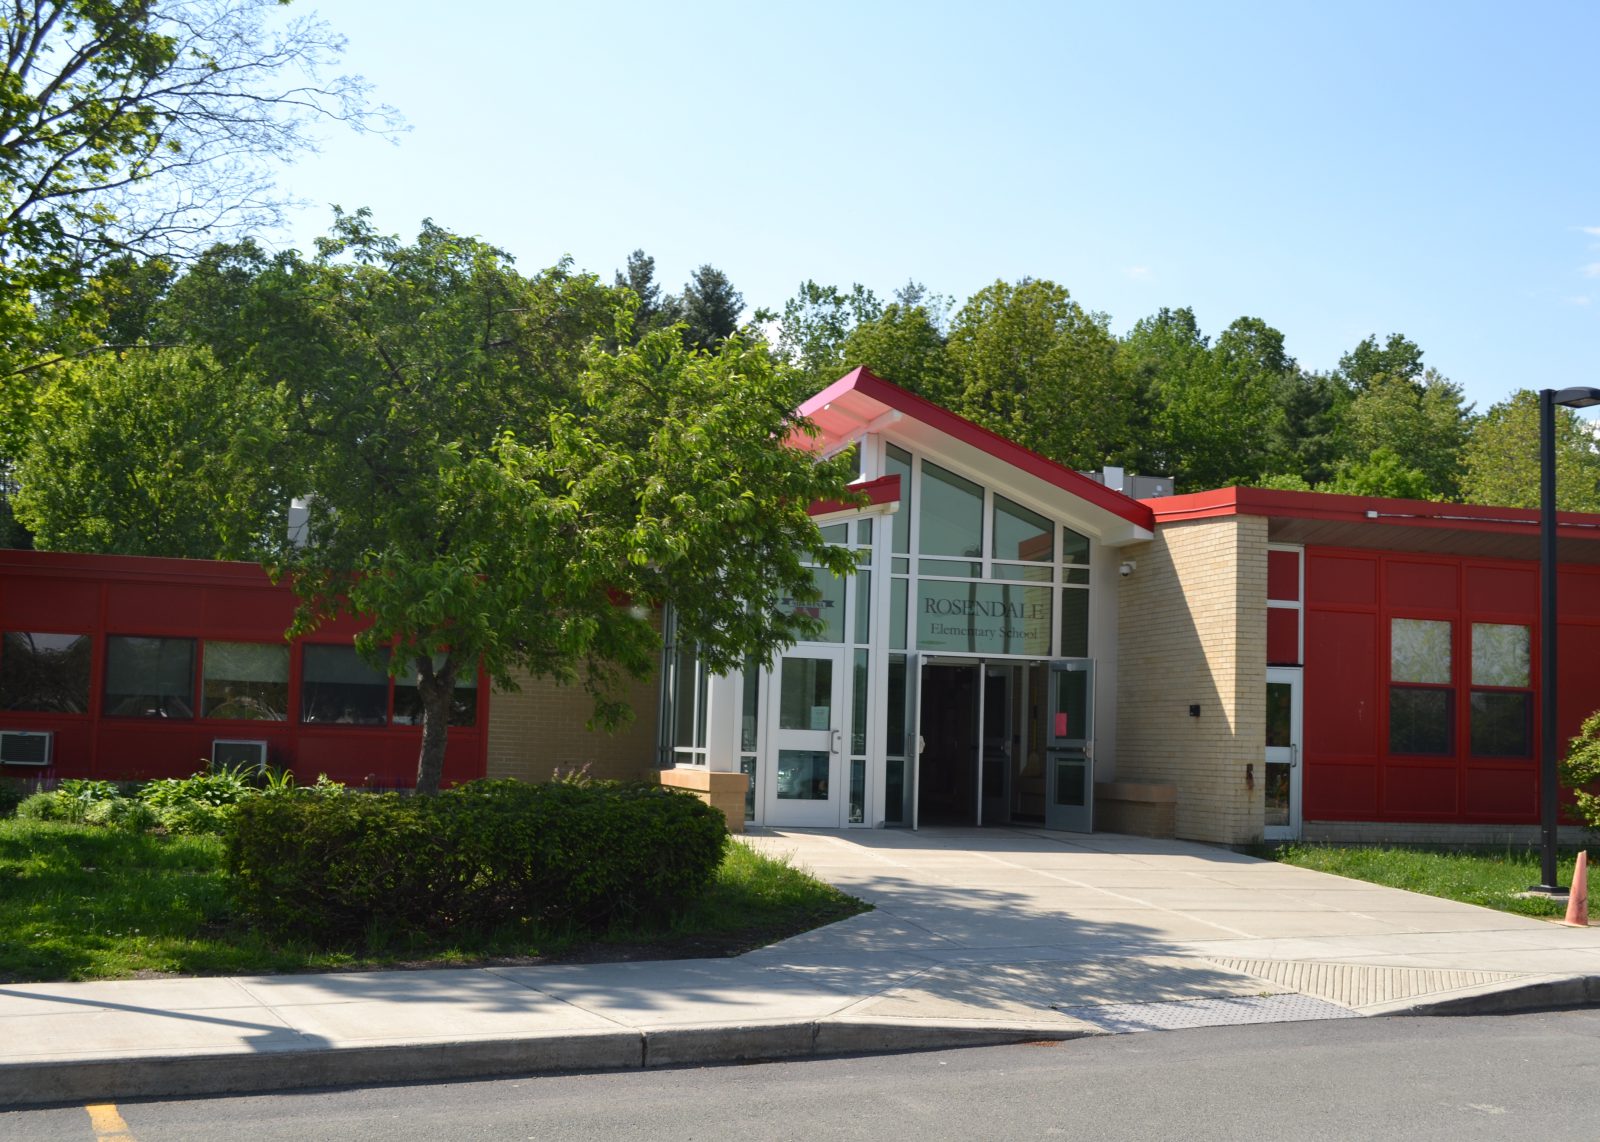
(1578, 898)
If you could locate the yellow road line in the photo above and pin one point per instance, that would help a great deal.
(107, 1122)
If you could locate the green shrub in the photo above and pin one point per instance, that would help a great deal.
(43, 807)
(68, 801)
(1580, 772)
(201, 803)
(480, 856)
(122, 813)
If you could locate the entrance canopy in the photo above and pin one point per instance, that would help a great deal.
(861, 403)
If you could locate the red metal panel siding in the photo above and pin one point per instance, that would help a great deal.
(46, 591)
(49, 605)
(1340, 706)
(1351, 599)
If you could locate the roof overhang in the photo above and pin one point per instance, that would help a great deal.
(1322, 519)
(862, 403)
(882, 498)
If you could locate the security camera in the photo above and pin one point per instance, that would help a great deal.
(1127, 567)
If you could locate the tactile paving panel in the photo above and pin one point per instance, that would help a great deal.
(1363, 985)
(1120, 1018)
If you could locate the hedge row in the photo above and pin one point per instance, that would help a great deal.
(476, 857)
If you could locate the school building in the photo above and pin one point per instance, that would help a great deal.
(1021, 644)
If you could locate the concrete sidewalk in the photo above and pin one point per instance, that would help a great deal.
(987, 936)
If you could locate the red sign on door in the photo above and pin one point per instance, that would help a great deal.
(1061, 725)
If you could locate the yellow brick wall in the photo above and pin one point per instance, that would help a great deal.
(540, 728)
(1192, 622)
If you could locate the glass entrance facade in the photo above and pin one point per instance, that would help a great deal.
(961, 570)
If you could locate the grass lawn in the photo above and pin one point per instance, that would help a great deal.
(1491, 879)
(92, 903)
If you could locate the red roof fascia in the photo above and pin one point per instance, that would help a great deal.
(868, 383)
(133, 568)
(1361, 509)
(883, 490)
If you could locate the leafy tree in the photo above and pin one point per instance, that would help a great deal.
(905, 344)
(155, 454)
(1381, 473)
(1501, 458)
(654, 311)
(1033, 365)
(1424, 421)
(1210, 412)
(1398, 356)
(709, 307)
(142, 126)
(815, 325)
(489, 482)
(1310, 436)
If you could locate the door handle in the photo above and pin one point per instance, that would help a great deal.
(838, 737)
(1294, 756)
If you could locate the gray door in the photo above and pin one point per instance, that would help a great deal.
(1069, 749)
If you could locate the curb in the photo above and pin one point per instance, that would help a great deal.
(1545, 994)
(61, 1082)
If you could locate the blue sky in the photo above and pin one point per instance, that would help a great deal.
(1337, 170)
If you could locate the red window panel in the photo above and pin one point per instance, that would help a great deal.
(1428, 586)
(1283, 576)
(146, 608)
(1283, 637)
(1503, 590)
(263, 613)
(1351, 579)
(49, 605)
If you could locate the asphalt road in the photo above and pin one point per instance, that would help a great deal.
(1507, 1077)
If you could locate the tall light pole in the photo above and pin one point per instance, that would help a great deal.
(1548, 799)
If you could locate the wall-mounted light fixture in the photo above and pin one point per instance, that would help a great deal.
(1194, 710)
(1128, 567)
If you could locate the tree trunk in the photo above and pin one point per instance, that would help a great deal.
(435, 688)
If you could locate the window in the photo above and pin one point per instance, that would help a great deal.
(149, 677)
(1026, 537)
(337, 687)
(951, 522)
(1421, 698)
(463, 702)
(245, 680)
(48, 673)
(1501, 705)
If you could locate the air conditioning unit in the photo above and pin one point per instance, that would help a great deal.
(26, 747)
(229, 753)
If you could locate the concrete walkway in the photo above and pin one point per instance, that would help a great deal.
(987, 936)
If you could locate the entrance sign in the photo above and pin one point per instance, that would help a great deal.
(983, 618)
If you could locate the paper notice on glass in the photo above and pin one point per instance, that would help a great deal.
(819, 717)
(1061, 725)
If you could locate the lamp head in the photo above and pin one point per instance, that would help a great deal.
(1576, 397)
